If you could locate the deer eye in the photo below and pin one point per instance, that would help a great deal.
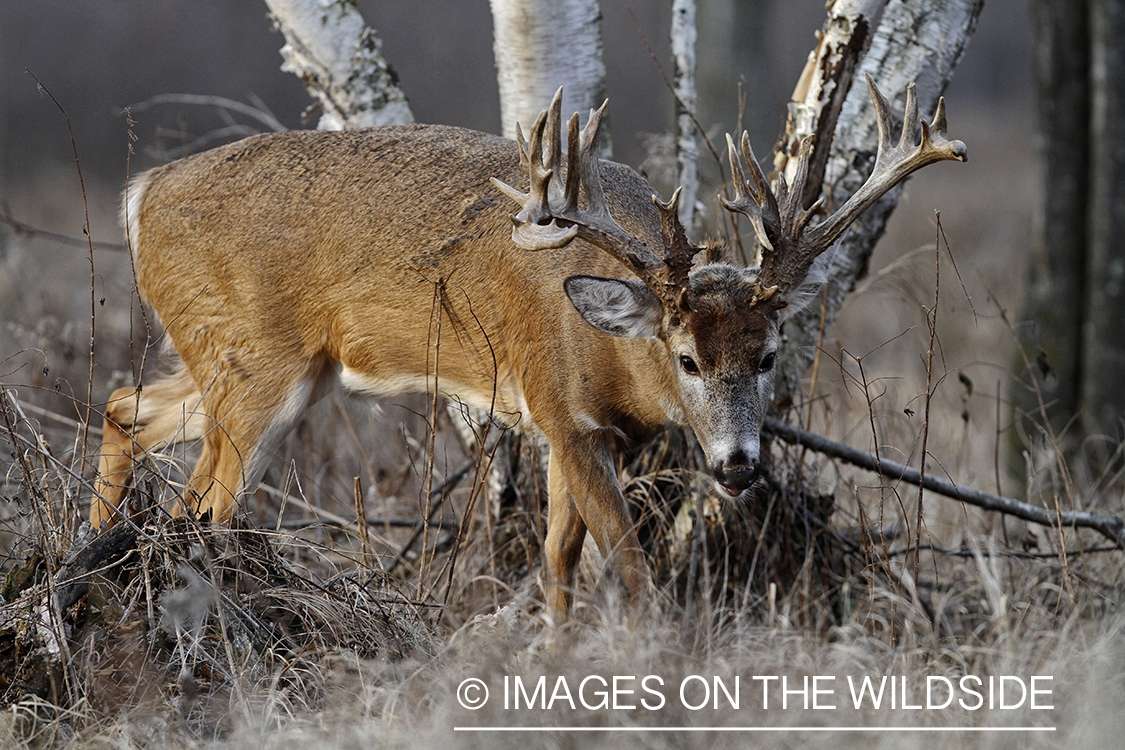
(767, 362)
(689, 365)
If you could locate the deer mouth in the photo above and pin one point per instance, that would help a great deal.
(730, 493)
(733, 478)
(736, 493)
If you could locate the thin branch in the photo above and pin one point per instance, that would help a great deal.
(27, 230)
(1012, 554)
(425, 523)
(675, 94)
(345, 523)
(931, 324)
(259, 112)
(1111, 527)
(187, 148)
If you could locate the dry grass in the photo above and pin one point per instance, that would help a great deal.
(202, 637)
(315, 632)
(398, 688)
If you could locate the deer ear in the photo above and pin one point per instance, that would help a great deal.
(619, 307)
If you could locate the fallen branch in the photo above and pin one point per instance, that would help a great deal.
(404, 523)
(1111, 527)
(73, 580)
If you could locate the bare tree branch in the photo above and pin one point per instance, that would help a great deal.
(256, 112)
(910, 42)
(27, 230)
(1111, 527)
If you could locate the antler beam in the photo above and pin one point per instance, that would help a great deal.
(780, 222)
(549, 216)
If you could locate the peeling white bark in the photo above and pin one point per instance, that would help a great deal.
(340, 61)
(541, 45)
(815, 90)
(913, 42)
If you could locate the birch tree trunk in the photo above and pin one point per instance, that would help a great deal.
(911, 42)
(541, 45)
(340, 61)
(687, 148)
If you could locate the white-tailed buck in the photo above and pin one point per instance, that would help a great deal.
(288, 262)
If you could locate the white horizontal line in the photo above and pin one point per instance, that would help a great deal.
(754, 729)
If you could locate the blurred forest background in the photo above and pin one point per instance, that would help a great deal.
(98, 58)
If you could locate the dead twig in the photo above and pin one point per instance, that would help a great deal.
(256, 111)
(343, 523)
(90, 255)
(27, 230)
(424, 524)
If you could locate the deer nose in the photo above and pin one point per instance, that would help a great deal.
(735, 477)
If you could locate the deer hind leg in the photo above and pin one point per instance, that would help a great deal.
(245, 415)
(136, 422)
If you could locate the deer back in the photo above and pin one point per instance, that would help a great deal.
(387, 254)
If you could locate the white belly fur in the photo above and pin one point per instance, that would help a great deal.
(506, 404)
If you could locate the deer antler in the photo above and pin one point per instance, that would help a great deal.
(549, 216)
(780, 222)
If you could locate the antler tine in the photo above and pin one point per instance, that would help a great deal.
(882, 116)
(893, 164)
(554, 142)
(521, 142)
(781, 222)
(671, 207)
(933, 132)
(539, 172)
(770, 212)
(679, 253)
(737, 176)
(909, 116)
(761, 183)
(591, 175)
(573, 169)
(937, 126)
(670, 225)
(795, 218)
(598, 226)
(536, 225)
(754, 200)
(780, 266)
(518, 196)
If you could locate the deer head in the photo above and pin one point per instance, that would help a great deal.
(719, 323)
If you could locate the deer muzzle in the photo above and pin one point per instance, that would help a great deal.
(734, 477)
